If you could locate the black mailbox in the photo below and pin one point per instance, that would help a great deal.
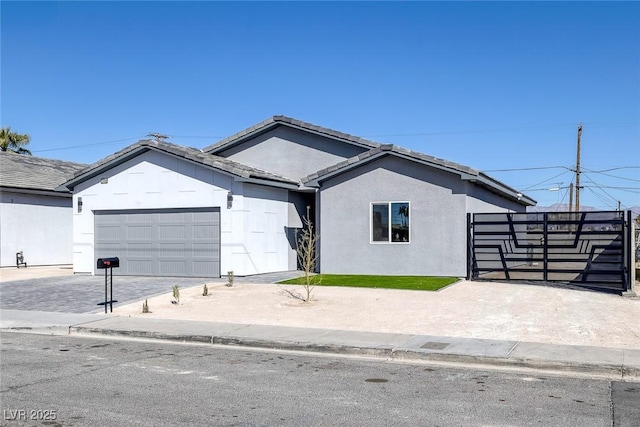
(108, 263)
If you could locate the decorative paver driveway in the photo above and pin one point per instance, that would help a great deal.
(81, 294)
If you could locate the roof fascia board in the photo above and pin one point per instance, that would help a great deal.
(267, 183)
(52, 193)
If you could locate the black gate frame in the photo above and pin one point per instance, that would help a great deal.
(589, 249)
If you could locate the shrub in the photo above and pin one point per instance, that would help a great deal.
(230, 277)
(176, 293)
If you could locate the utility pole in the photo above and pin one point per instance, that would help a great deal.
(578, 169)
(571, 197)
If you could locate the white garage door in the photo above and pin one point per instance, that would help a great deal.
(162, 242)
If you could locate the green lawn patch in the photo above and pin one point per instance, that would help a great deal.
(419, 283)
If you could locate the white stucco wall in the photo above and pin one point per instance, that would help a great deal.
(252, 232)
(38, 225)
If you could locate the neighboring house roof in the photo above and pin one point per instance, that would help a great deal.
(239, 171)
(276, 121)
(466, 173)
(34, 174)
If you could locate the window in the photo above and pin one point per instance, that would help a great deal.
(390, 222)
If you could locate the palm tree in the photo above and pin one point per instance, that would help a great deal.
(403, 210)
(14, 142)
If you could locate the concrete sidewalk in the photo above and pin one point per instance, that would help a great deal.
(612, 362)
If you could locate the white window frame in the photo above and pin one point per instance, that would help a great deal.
(390, 240)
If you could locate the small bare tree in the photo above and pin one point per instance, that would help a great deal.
(306, 242)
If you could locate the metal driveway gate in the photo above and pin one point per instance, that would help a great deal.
(590, 249)
(161, 242)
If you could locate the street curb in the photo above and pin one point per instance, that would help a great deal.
(238, 342)
(388, 352)
(511, 362)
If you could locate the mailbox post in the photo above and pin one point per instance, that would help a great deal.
(108, 264)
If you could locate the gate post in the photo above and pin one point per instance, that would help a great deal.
(545, 247)
(629, 249)
(469, 247)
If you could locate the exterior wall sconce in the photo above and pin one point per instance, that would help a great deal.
(79, 204)
(229, 200)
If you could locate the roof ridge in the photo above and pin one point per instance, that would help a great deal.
(273, 121)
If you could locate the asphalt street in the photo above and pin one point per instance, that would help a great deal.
(91, 381)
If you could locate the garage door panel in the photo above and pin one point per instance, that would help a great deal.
(205, 269)
(139, 218)
(163, 242)
(172, 250)
(139, 232)
(177, 217)
(138, 249)
(208, 232)
(203, 250)
(139, 267)
(173, 268)
(208, 217)
(111, 232)
(166, 231)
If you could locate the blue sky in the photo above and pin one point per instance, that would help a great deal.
(491, 85)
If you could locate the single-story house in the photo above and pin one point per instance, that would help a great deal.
(35, 219)
(169, 210)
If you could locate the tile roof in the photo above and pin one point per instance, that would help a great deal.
(389, 148)
(290, 122)
(192, 154)
(35, 173)
(465, 172)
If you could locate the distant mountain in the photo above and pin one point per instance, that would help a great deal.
(565, 208)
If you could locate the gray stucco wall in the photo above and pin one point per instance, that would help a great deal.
(437, 220)
(291, 153)
(480, 200)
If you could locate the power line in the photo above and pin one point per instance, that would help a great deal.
(546, 180)
(199, 136)
(613, 176)
(616, 168)
(527, 169)
(615, 200)
(111, 142)
(515, 128)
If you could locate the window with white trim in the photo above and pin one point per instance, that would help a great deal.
(390, 222)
